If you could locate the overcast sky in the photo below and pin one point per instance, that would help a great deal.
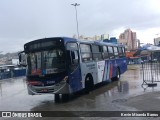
(25, 20)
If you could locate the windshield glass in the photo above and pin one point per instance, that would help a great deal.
(46, 62)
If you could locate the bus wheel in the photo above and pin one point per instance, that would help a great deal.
(88, 84)
(56, 97)
(65, 97)
(117, 74)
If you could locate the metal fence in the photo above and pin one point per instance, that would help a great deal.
(151, 69)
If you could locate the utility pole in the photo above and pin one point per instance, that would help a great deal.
(76, 4)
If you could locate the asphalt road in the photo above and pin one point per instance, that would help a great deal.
(123, 95)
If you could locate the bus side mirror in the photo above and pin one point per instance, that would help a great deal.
(22, 60)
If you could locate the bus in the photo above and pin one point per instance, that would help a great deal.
(62, 65)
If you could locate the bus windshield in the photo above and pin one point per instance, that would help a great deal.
(46, 62)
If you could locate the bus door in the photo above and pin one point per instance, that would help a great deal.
(74, 71)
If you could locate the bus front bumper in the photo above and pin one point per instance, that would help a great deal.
(60, 88)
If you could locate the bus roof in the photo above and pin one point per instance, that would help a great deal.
(49, 38)
(101, 42)
(97, 42)
(68, 39)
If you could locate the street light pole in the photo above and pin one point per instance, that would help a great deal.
(76, 16)
(156, 38)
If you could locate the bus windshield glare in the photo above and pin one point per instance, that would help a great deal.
(46, 62)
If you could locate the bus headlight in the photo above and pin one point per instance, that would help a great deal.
(65, 78)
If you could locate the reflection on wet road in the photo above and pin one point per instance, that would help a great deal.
(110, 97)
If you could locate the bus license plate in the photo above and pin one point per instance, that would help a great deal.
(44, 90)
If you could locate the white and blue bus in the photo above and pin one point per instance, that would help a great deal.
(62, 65)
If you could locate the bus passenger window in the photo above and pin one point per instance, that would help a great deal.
(115, 52)
(105, 52)
(123, 49)
(120, 52)
(111, 53)
(74, 57)
(97, 55)
(73, 60)
(86, 52)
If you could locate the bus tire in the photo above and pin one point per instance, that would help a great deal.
(65, 97)
(117, 77)
(56, 97)
(89, 83)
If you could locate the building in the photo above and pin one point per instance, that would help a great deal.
(111, 40)
(15, 61)
(157, 41)
(75, 36)
(129, 39)
(96, 37)
(104, 36)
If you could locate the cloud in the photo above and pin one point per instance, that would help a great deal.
(23, 20)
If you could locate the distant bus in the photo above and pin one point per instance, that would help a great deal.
(62, 65)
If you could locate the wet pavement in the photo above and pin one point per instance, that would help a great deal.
(126, 94)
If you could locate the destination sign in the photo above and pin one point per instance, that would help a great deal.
(43, 44)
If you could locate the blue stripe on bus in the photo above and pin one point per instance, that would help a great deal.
(106, 70)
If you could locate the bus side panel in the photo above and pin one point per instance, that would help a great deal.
(113, 66)
(75, 80)
(100, 71)
(123, 66)
(88, 68)
(121, 63)
(107, 68)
